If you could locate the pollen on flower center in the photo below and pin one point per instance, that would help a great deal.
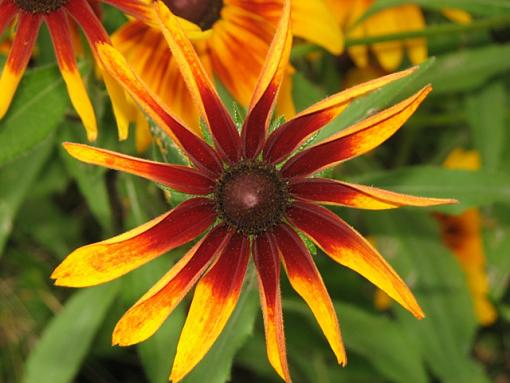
(204, 13)
(251, 197)
(40, 6)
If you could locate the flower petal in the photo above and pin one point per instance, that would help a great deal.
(19, 56)
(388, 53)
(58, 26)
(294, 132)
(214, 301)
(148, 314)
(265, 255)
(103, 261)
(306, 280)
(7, 12)
(268, 85)
(136, 8)
(178, 177)
(347, 247)
(412, 19)
(326, 191)
(313, 21)
(206, 98)
(356, 140)
(201, 154)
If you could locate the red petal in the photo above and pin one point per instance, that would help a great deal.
(356, 140)
(180, 178)
(87, 19)
(306, 280)
(289, 136)
(19, 56)
(201, 154)
(259, 115)
(347, 247)
(223, 129)
(7, 12)
(148, 314)
(103, 261)
(265, 255)
(333, 192)
(61, 36)
(214, 301)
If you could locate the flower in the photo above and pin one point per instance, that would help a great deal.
(251, 195)
(462, 234)
(219, 33)
(57, 14)
(399, 19)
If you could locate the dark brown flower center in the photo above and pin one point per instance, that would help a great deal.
(204, 13)
(40, 6)
(251, 197)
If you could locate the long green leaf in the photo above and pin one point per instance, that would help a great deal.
(16, 179)
(63, 346)
(36, 111)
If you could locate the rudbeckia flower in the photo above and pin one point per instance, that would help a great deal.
(400, 19)
(462, 234)
(252, 195)
(58, 16)
(220, 30)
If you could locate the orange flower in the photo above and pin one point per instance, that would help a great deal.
(245, 204)
(57, 14)
(220, 32)
(391, 20)
(462, 234)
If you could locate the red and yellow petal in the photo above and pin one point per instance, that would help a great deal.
(139, 9)
(104, 261)
(201, 154)
(200, 86)
(19, 56)
(290, 135)
(356, 140)
(326, 191)
(62, 40)
(215, 298)
(265, 255)
(178, 177)
(347, 247)
(306, 280)
(148, 314)
(263, 100)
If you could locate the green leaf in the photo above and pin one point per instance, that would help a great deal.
(36, 111)
(470, 188)
(477, 7)
(412, 244)
(468, 69)
(486, 112)
(16, 180)
(91, 179)
(383, 342)
(216, 365)
(63, 346)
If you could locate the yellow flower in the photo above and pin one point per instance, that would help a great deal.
(392, 20)
(462, 234)
(228, 27)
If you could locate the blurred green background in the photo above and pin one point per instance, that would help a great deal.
(50, 204)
